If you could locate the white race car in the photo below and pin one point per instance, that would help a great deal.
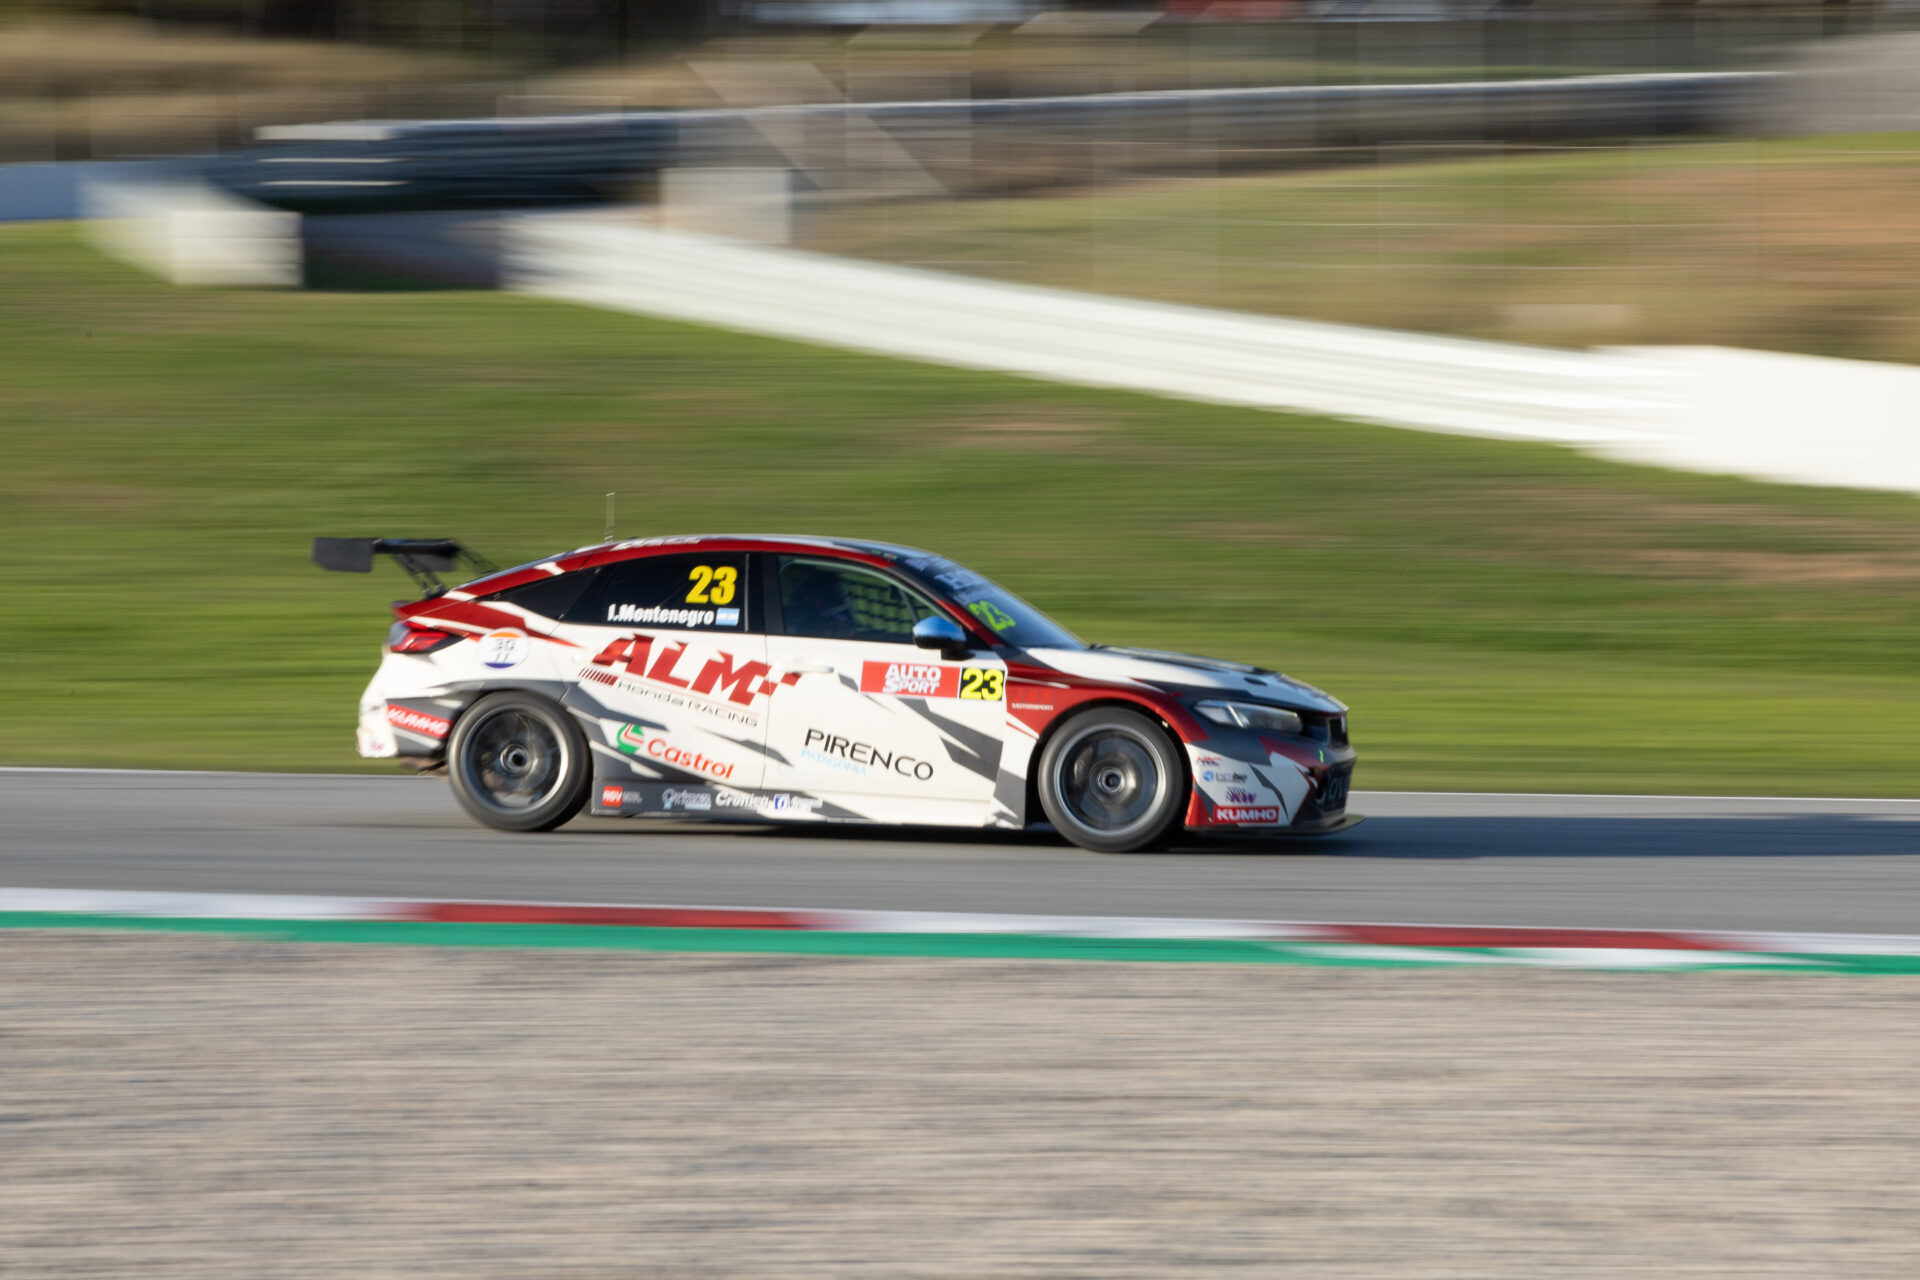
(799, 679)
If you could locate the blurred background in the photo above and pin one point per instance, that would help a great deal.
(1538, 378)
(1662, 213)
(1533, 172)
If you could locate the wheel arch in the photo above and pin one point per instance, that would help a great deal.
(1034, 811)
(473, 695)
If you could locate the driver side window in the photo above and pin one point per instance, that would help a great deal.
(830, 600)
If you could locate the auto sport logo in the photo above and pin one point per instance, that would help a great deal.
(933, 680)
(418, 722)
(910, 679)
(1246, 816)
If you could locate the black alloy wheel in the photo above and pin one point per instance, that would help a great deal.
(1112, 781)
(518, 762)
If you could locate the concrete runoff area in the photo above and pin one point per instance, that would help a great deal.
(1536, 860)
(214, 1107)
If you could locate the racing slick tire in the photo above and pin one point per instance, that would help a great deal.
(518, 762)
(1112, 781)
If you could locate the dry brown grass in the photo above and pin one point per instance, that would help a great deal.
(1782, 569)
(100, 88)
(1803, 245)
(1041, 431)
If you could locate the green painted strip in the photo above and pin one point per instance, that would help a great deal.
(998, 946)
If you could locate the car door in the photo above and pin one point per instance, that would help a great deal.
(896, 733)
(672, 669)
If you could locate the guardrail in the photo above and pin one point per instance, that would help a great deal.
(1801, 419)
(958, 145)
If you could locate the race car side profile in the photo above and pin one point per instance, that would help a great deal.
(800, 679)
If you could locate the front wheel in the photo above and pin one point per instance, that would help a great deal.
(1111, 781)
(518, 762)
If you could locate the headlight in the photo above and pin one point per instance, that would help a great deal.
(1250, 715)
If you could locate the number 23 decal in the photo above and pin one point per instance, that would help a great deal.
(712, 584)
(982, 684)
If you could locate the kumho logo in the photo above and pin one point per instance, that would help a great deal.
(418, 722)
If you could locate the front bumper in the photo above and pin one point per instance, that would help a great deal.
(1345, 821)
(1255, 783)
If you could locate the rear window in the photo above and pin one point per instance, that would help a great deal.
(550, 597)
(700, 592)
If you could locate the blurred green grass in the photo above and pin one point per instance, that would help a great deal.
(1793, 244)
(1499, 615)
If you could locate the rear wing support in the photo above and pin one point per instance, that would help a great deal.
(424, 559)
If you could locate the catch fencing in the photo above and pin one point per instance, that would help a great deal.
(961, 145)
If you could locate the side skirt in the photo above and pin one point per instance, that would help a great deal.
(628, 798)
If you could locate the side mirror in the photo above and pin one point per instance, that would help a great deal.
(940, 633)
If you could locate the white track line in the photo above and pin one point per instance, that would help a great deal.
(1580, 947)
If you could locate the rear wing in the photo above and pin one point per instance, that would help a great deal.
(424, 559)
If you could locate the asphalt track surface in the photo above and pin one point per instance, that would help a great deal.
(1587, 861)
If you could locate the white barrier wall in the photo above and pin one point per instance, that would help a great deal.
(1800, 419)
(740, 204)
(191, 233)
(1441, 384)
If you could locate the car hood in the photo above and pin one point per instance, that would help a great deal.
(1187, 671)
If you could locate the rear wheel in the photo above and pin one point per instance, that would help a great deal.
(1112, 781)
(518, 762)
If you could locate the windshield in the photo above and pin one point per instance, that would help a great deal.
(1004, 613)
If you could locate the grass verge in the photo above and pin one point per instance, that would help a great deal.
(1500, 615)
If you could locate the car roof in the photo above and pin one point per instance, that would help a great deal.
(635, 548)
(759, 541)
